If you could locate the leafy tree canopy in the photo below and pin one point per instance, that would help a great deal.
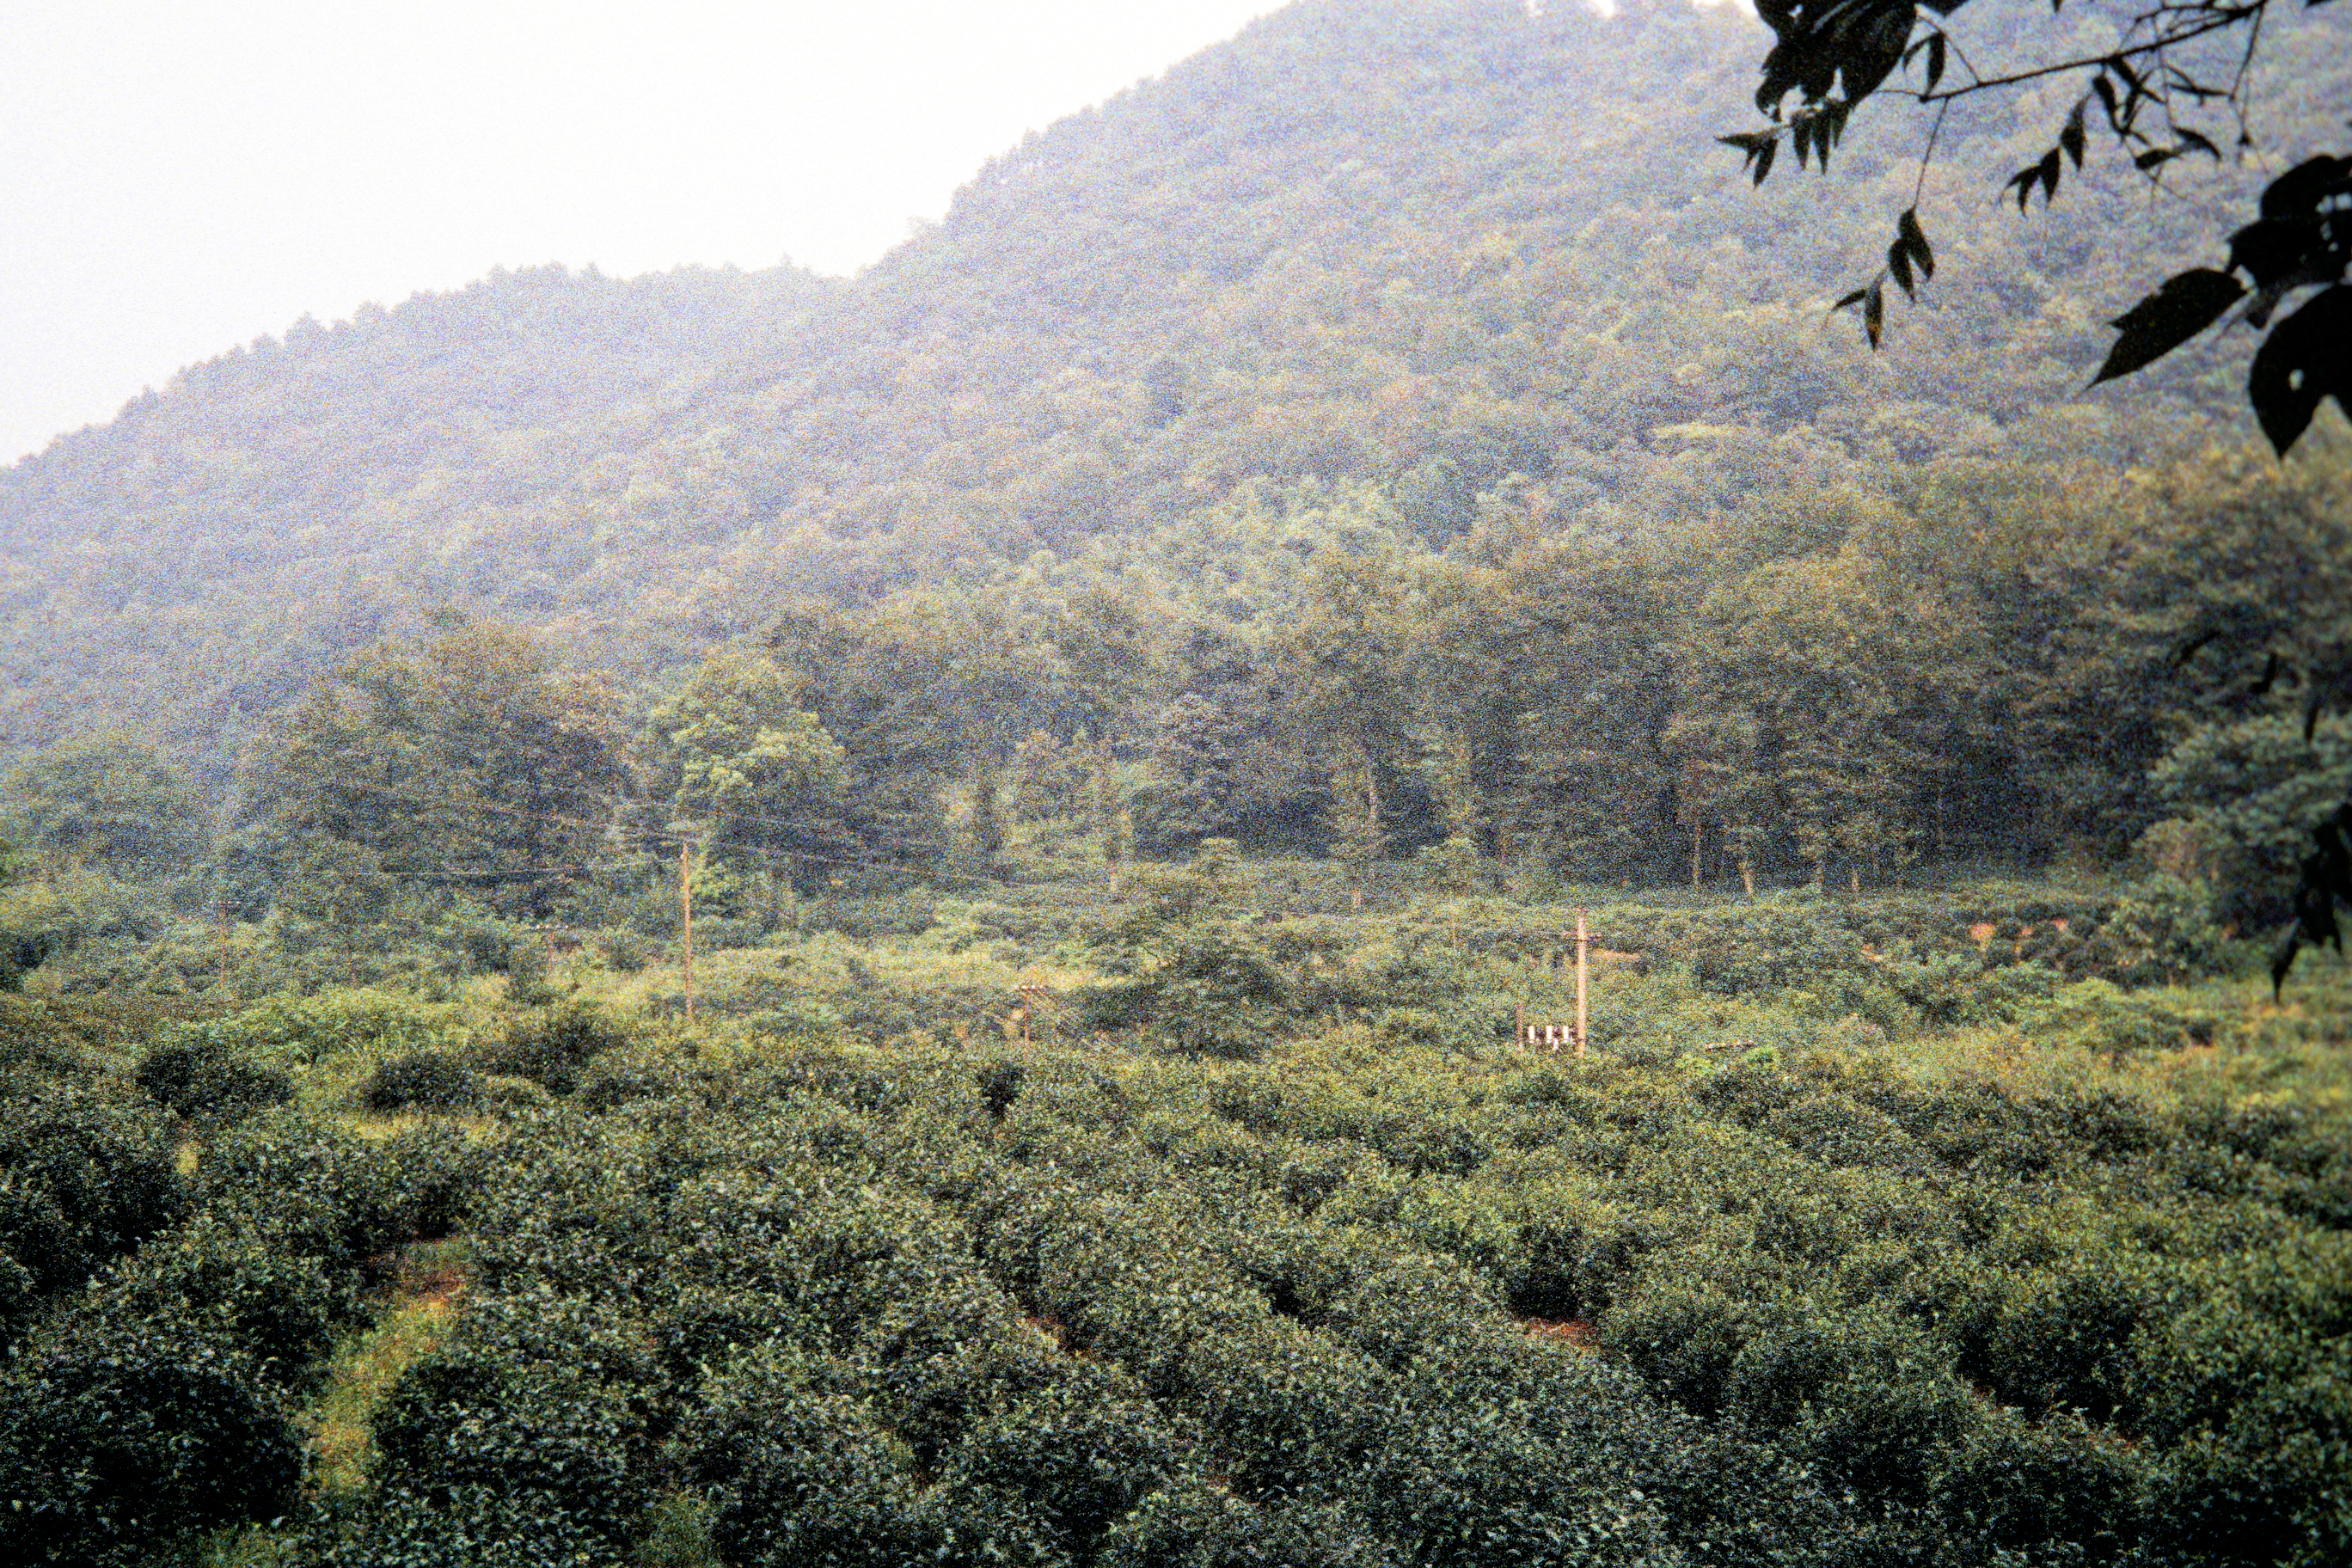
(2163, 85)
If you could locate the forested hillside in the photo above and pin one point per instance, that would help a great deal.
(1420, 254)
(1326, 839)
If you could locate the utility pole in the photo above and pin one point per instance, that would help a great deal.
(1580, 982)
(686, 921)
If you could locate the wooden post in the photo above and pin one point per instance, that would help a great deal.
(686, 924)
(1580, 982)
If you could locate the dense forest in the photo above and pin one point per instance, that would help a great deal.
(1434, 252)
(750, 918)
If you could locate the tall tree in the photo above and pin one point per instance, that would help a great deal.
(471, 759)
(742, 757)
(109, 801)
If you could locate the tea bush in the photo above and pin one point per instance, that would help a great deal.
(203, 1081)
(435, 1080)
(84, 1178)
(1790, 1269)
(122, 1439)
(552, 1045)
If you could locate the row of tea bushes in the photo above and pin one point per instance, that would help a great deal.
(153, 1398)
(1067, 1306)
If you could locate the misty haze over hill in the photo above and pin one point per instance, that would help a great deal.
(1483, 262)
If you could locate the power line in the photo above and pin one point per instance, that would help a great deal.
(650, 841)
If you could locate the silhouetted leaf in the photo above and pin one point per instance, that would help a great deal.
(2192, 142)
(1874, 312)
(2261, 688)
(2122, 67)
(2299, 191)
(2184, 306)
(2071, 138)
(2106, 91)
(1898, 262)
(2154, 158)
(2306, 358)
(2189, 649)
(2270, 249)
(1873, 43)
(1914, 238)
(1764, 159)
(2283, 962)
(1935, 60)
(1849, 301)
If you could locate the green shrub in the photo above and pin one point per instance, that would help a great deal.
(216, 1281)
(434, 1080)
(98, 1177)
(2059, 1489)
(481, 1525)
(553, 1046)
(799, 1476)
(316, 1191)
(1049, 1476)
(1199, 990)
(1685, 1339)
(435, 1178)
(120, 1441)
(623, 1078)
(2162, 931)
(1774, 944)
(201, 1081)
(515, 1442)
(291, 1031)
(45, 1254)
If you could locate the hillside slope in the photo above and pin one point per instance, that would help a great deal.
(1443, 249)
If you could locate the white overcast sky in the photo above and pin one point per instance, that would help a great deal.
(175, 178)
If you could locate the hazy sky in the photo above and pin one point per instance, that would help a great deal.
(178, 178)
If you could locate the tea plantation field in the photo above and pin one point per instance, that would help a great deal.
(1999, 1226)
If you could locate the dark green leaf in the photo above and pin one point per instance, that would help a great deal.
(2123, 67)
(2184, 306)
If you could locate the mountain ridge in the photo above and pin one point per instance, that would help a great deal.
(1446, 251)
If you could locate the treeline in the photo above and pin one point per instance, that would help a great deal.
(2005, 665)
